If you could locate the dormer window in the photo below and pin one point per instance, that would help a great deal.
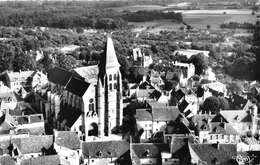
(99, 154)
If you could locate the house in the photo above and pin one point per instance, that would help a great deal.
(106, 152)
(30, 124)
(67, 146)
(240, 120)
(148, 153)
(145, 120)
(178, 149)
(239, 102)
(212, 153)
(7, 123)
(45, 160)
(91, 109)
(25, 79)
(33, 146)
(163, 115)
(216, 86)
(11, 100)
(194, 81)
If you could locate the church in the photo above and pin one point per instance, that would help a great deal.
(87, 100)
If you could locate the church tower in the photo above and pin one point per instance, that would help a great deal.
(109, 91)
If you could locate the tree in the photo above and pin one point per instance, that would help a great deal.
(170, 84)
(66, 61)
(200, 62)
(253, 13)
(23, 62)
(208, 27)
(211, 104)
(224, 105)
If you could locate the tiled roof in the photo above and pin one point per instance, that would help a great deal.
(33, 144)
(42, 160)
(67, 139)
(223, 128)
(59, 76)
(40, 130)
(7, 160)
(208, 152)
(143, 115)
(68, 115)
(146, 150)
(105, 149)
(77, 86)
(165, 113)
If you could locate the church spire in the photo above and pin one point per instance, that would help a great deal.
(108, 58)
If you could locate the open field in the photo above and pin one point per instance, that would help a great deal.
(197, 18)
(157, 25)
(139, 7)
(201, 21)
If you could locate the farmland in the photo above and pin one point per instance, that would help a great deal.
(197, 18)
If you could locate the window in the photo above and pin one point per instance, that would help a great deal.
(210, 137)
(110, 77)
(92, 160)
(115, 76)
(110, 87)
(145, 125)
(222, 136)
(115, 85)
(91, 104)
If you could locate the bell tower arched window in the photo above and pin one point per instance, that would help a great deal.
(110, 87)
(115, 85)
(110, 77)
(115, 76)
(91, 104)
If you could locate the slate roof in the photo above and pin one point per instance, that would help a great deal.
(77, 86)
(7, 160)
(33, 144)
(143, 115)
(165, 113)
(179, 146)
(236, 116)
(223, 128)
(146, 150)
(239, 101)
(208, 152)
(59, 76)
(88, 73)
(42, 160)
(199, 117)
(68, 115)
(183, 105)
(108, 149)
(67, 139)
(146, 85)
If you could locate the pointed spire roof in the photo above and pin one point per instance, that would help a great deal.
(109, 58)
